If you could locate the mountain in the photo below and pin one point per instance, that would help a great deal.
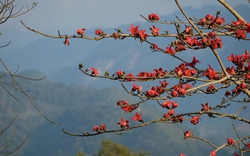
(60, 62)
(78, 109)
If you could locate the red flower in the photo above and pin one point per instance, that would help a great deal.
(187, 134)
(99, 32)
(240, 34)
(210, 73)
(96, 128)
(134, 30)
(238, 23)
(212, 34)
(227, 93)
(137, 117)
(216, 43)
(129, 77)
(248, 27)
(123, 123)
(80, 31)
(154, 47)
(154, 17)
(102, 127)
(235, 154)
(248, 145)
(182, 155)
(164, 84)
(94, 71)
(174, 93)
(142, 35)
(135, 87)
(242, 86)
(213, 153)
(119, 73)
(188, 30)
(170, 50)
(155, 31)
(230, 141)
(151, 93)
(211, 89)
(171, 112)
(193, 63)
(166, 104)
(195, 120)
(231, 70)
(66, 41)
(174, 104)
(205, 107)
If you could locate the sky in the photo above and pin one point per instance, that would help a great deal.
(62, 14)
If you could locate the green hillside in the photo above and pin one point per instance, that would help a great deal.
(78, 109)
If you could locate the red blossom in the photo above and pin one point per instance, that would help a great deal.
(212, 34)
(235, 154)
(134, 30)
(180, 46)
(238, 23)
(94, 71)
(119, 73)
(178, 119)
(129, 77)
(80, 31)
(96, 128)
(182, 155)
(220, 21)
(151, 93)
(187, 134)
(154, 17)
(171, 112)
(142, 34)
(213, 153)
(227, 93)
(216, 43)
(170, 50)
(231, 70)
(230, 141)
(66, 41)
(193, 63)
(137, 117)
(99, 32)
(195, 120)
(211, 89)
(242, 85)
(166, 104)
(154, 47)
(102, 127)
(248, 27)
(155, 31)
(125, 106)
(188, 30)
(135, 87)
(210, 73)
(174, 104)
(248, 145)
(164, 84)
(123, 123)
(206, 107)
(240, 34)
(174, 93)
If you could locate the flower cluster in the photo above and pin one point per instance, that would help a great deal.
(153, 17)
(123, 123)
(102, 127)
(126, 106)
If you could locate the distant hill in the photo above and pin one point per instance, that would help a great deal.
(79, 108)
(59, 62)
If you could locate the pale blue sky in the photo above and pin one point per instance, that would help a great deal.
(61, 14)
